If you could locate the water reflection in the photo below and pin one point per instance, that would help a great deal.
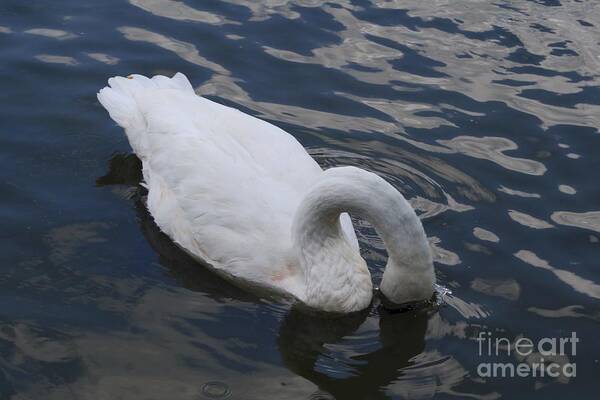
(519, 193)
(578, 283)
(103, 58)
(566, 189)
(586, 220)
(185, 50)
(509, 289)
(486, 235)
(51, 33)
(493, 148)
(575, 311)
(177, 10)
(484, 114)
(314, 348)
(54, 59)
(528, 220)
(66, 240)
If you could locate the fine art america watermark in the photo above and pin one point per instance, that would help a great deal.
(547, 357)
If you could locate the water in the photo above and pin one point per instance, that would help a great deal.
(484, 114)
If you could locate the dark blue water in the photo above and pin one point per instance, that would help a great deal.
(484, 114)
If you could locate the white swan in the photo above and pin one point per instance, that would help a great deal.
(245, 197)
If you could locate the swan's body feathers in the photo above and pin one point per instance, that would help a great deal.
(222, 184)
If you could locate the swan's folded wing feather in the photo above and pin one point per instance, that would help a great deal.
(222, 184)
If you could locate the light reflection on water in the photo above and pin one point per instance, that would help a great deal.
(485, 115)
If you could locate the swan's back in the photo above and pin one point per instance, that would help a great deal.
(222, 184)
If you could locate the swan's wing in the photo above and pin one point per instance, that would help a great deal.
(222, 184)
(169, 106)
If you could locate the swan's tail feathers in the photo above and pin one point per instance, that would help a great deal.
(119, 98)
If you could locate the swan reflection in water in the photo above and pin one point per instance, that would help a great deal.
(358, 355)
(305, 340)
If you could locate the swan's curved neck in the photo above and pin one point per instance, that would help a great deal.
(337, 278)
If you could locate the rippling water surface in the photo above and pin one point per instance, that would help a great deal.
(485, 114)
